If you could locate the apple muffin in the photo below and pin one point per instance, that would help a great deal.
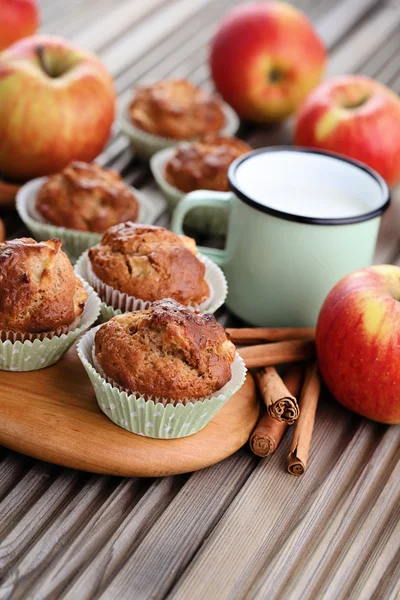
(86, 197)
(165, 351)
(176, 109)
(150, 263)
(39, 291)
(204, 165)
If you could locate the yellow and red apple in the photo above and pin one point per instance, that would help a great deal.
(265, 58)
(358, 342)
(57, 104)
(355, 116)
(18, 19)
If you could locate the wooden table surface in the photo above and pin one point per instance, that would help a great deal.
(243, 528)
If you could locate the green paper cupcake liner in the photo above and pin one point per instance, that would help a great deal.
(212, 221)
(115, 303)
(34, 354)
(74, 242)
(155, 417)
(146, 144)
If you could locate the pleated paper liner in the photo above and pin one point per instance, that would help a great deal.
(74, 242)
(115, 303)
(146, 144)
(155, 417)
(212, 221)
(30, 352)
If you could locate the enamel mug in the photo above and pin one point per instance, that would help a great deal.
(299, 220)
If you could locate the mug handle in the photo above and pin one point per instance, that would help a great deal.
(194, 200)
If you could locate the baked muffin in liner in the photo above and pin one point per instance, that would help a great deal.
(114, 302)
(74, 241)
(30, 352)
(212, 221)
(154, 417)
(146, 144)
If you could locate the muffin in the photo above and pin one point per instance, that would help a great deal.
(165, 351)
(176, 109)
(39, 291)
(204, 165)
(150, 263)
(86, 197)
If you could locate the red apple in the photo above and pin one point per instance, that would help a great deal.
(355, 116)
(18, 18)
(265, 59)
(57, 104)
(358, 342)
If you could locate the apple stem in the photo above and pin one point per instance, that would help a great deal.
(42, 60)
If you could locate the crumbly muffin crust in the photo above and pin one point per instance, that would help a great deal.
(86, 197)
(39, 291)
(166, 351)
(176, 109)
(204, 165)
(150, 263)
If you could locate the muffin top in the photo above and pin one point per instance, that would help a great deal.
(150, 263)
(39, 291)
(166, 351)
(86, 197)
(204, 165)
(176, 109)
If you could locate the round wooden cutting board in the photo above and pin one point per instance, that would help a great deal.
(53, 415)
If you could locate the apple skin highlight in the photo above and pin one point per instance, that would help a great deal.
(358, 342)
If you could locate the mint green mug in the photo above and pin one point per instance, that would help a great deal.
(299, 220)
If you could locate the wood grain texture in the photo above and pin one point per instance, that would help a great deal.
(228, 531)
(52, 414)
(291, 549)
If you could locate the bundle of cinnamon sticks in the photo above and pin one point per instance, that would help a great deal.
(263, 350)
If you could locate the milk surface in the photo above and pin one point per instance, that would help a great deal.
(308, 185)
(309, 202)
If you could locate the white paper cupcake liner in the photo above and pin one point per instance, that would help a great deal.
(14, 336)
(213, 221)
(38, 352)
(115, 303)
(74, 241)
(146, 144)
(155, 417)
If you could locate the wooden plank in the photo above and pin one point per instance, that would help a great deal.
(148, 34)
(114, 22)
(330, 26)
(166, 58)
(169, 546)
(28, 522)
(68, 23)
(102, 558)
(364, 42)
(25, 492)
(267, 546)
(388, 245)
(324, 556)
(82, 528)
(12, 468)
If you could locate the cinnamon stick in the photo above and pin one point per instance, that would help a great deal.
(2, 231)
(268, 355)
(258, 335)
(281, 404)
(300, 448)
(268, 433)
